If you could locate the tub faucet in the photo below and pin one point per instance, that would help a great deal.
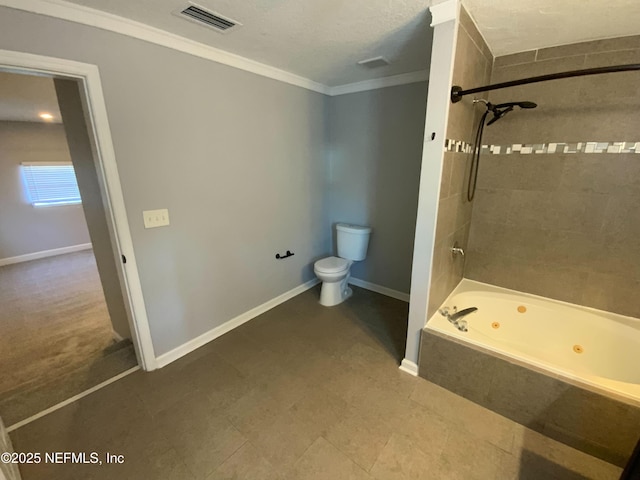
(457, 250)
(457, 317)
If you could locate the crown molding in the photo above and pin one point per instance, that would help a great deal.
(81, 14)
(402, 79)
(114, 23)
(444, 12)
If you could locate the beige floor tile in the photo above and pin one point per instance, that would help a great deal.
(426, 429)
(347, 383)
(317, 367)
(322, 461)
(246, 354)
(327, 332)
(533, 450)
(166, 465)
(466, 457)
(239, 408)
(437, 398)
(378, 400)
(61, 429)
(161, 389)
(478, 421)
(204, 450)
(283, 441)
(246, 463)
(283, 386)
(320, 409)
(203, 438)
(359, 436)
(262, 404)
(401, 459)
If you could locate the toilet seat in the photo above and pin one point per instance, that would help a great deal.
(332, 265)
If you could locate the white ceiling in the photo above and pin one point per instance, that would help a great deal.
(321, 40)
(510, 26)
(24, 97)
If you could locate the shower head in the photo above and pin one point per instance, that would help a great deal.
(502, 109)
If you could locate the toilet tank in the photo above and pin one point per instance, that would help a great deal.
(352, 241)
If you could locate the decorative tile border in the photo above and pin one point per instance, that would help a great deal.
(457, 146)
(539, 148)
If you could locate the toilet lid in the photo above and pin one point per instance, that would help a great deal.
(331, 265)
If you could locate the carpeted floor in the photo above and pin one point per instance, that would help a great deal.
(56, 338)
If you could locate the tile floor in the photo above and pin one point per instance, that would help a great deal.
(301, 392)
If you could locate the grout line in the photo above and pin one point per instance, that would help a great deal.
(368, 470)
(490, 61)
(68, 401)
(236, 450)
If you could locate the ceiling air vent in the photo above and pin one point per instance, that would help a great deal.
(202, 16)
(374, 62)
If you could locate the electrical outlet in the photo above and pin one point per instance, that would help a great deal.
(156, 218)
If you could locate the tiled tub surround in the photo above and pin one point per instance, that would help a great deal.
(562, 225)
(518, 363)
(472, 65)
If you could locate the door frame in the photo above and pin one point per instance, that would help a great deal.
(109, 179)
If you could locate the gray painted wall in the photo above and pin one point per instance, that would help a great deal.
(375, 143)
(237, 159)
(25, 229)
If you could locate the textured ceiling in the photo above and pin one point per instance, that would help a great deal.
(510, 26)
(318, 39)
(24, 97)
(323, 40)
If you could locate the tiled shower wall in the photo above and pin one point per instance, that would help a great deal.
(472, 66)
(563, 225)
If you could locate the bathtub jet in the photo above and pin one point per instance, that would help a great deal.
(456, 318)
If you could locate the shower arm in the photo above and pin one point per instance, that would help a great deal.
(457, 92)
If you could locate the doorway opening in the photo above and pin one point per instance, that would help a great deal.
(73, 315)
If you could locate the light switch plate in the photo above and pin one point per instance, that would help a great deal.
(156, 218)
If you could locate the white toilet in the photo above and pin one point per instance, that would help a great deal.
(334, 271)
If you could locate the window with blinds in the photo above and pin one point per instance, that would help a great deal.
(51, 183)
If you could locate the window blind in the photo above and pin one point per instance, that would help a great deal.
(51, 183)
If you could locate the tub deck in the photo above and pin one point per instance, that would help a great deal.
(519, 359)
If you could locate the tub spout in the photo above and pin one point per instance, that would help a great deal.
(462, 313)
(457, 317)
(457, 250)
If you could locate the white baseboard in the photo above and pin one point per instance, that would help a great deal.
(380, 289)
(191, 345)
(409, 367)
(44, 254)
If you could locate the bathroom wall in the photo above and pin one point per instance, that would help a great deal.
(375, 147)
(563, 225)
(23, 228)
(472, 67)
(238, 160)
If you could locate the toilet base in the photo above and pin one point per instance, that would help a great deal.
(334, 293)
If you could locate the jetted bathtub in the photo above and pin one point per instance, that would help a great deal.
(567, 371)
(598, 348)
